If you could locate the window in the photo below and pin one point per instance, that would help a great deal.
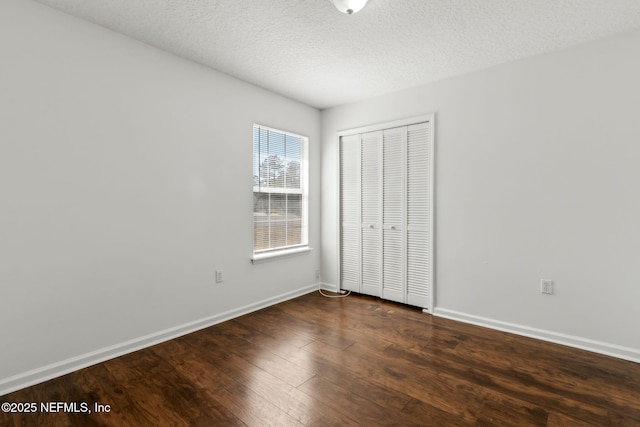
(279, 191)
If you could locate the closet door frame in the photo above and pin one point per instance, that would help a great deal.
(378, 127)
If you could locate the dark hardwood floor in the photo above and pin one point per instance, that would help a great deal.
(340, 362)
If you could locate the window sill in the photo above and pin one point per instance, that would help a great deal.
(258, 258)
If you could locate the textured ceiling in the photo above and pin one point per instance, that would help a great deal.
(307, 50)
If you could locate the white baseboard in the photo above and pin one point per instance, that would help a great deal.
(45, 373)
(613, 350)
(329, 287)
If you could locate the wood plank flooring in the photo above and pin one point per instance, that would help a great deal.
(315, 361)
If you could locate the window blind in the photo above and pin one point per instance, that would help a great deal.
(278, 190)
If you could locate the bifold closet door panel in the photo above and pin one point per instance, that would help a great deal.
(350, 257)
(419, 149)
(371, 206)
(393, 208)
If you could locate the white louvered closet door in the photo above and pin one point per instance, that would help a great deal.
(393, 214)
(350, 258)
(419, 244)
(386, 213)
(370, 184)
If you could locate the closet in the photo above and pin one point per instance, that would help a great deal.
(386, 211)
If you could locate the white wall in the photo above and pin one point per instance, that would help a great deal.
(537, 175)
(125, 181)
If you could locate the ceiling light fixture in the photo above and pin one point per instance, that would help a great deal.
(349, 6)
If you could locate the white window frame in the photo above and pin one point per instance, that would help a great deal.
(265, 254)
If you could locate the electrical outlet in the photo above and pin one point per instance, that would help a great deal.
(546, 286)
(219, 276)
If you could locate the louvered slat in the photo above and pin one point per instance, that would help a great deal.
(350, 272)
(370, 211)
(349, 176)
(418, 214)
(393, 253)
(393, 266)
(350, 213)
(418, 174)
(418, 263)
(393, 185)
(371, 262)
(370, 178)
